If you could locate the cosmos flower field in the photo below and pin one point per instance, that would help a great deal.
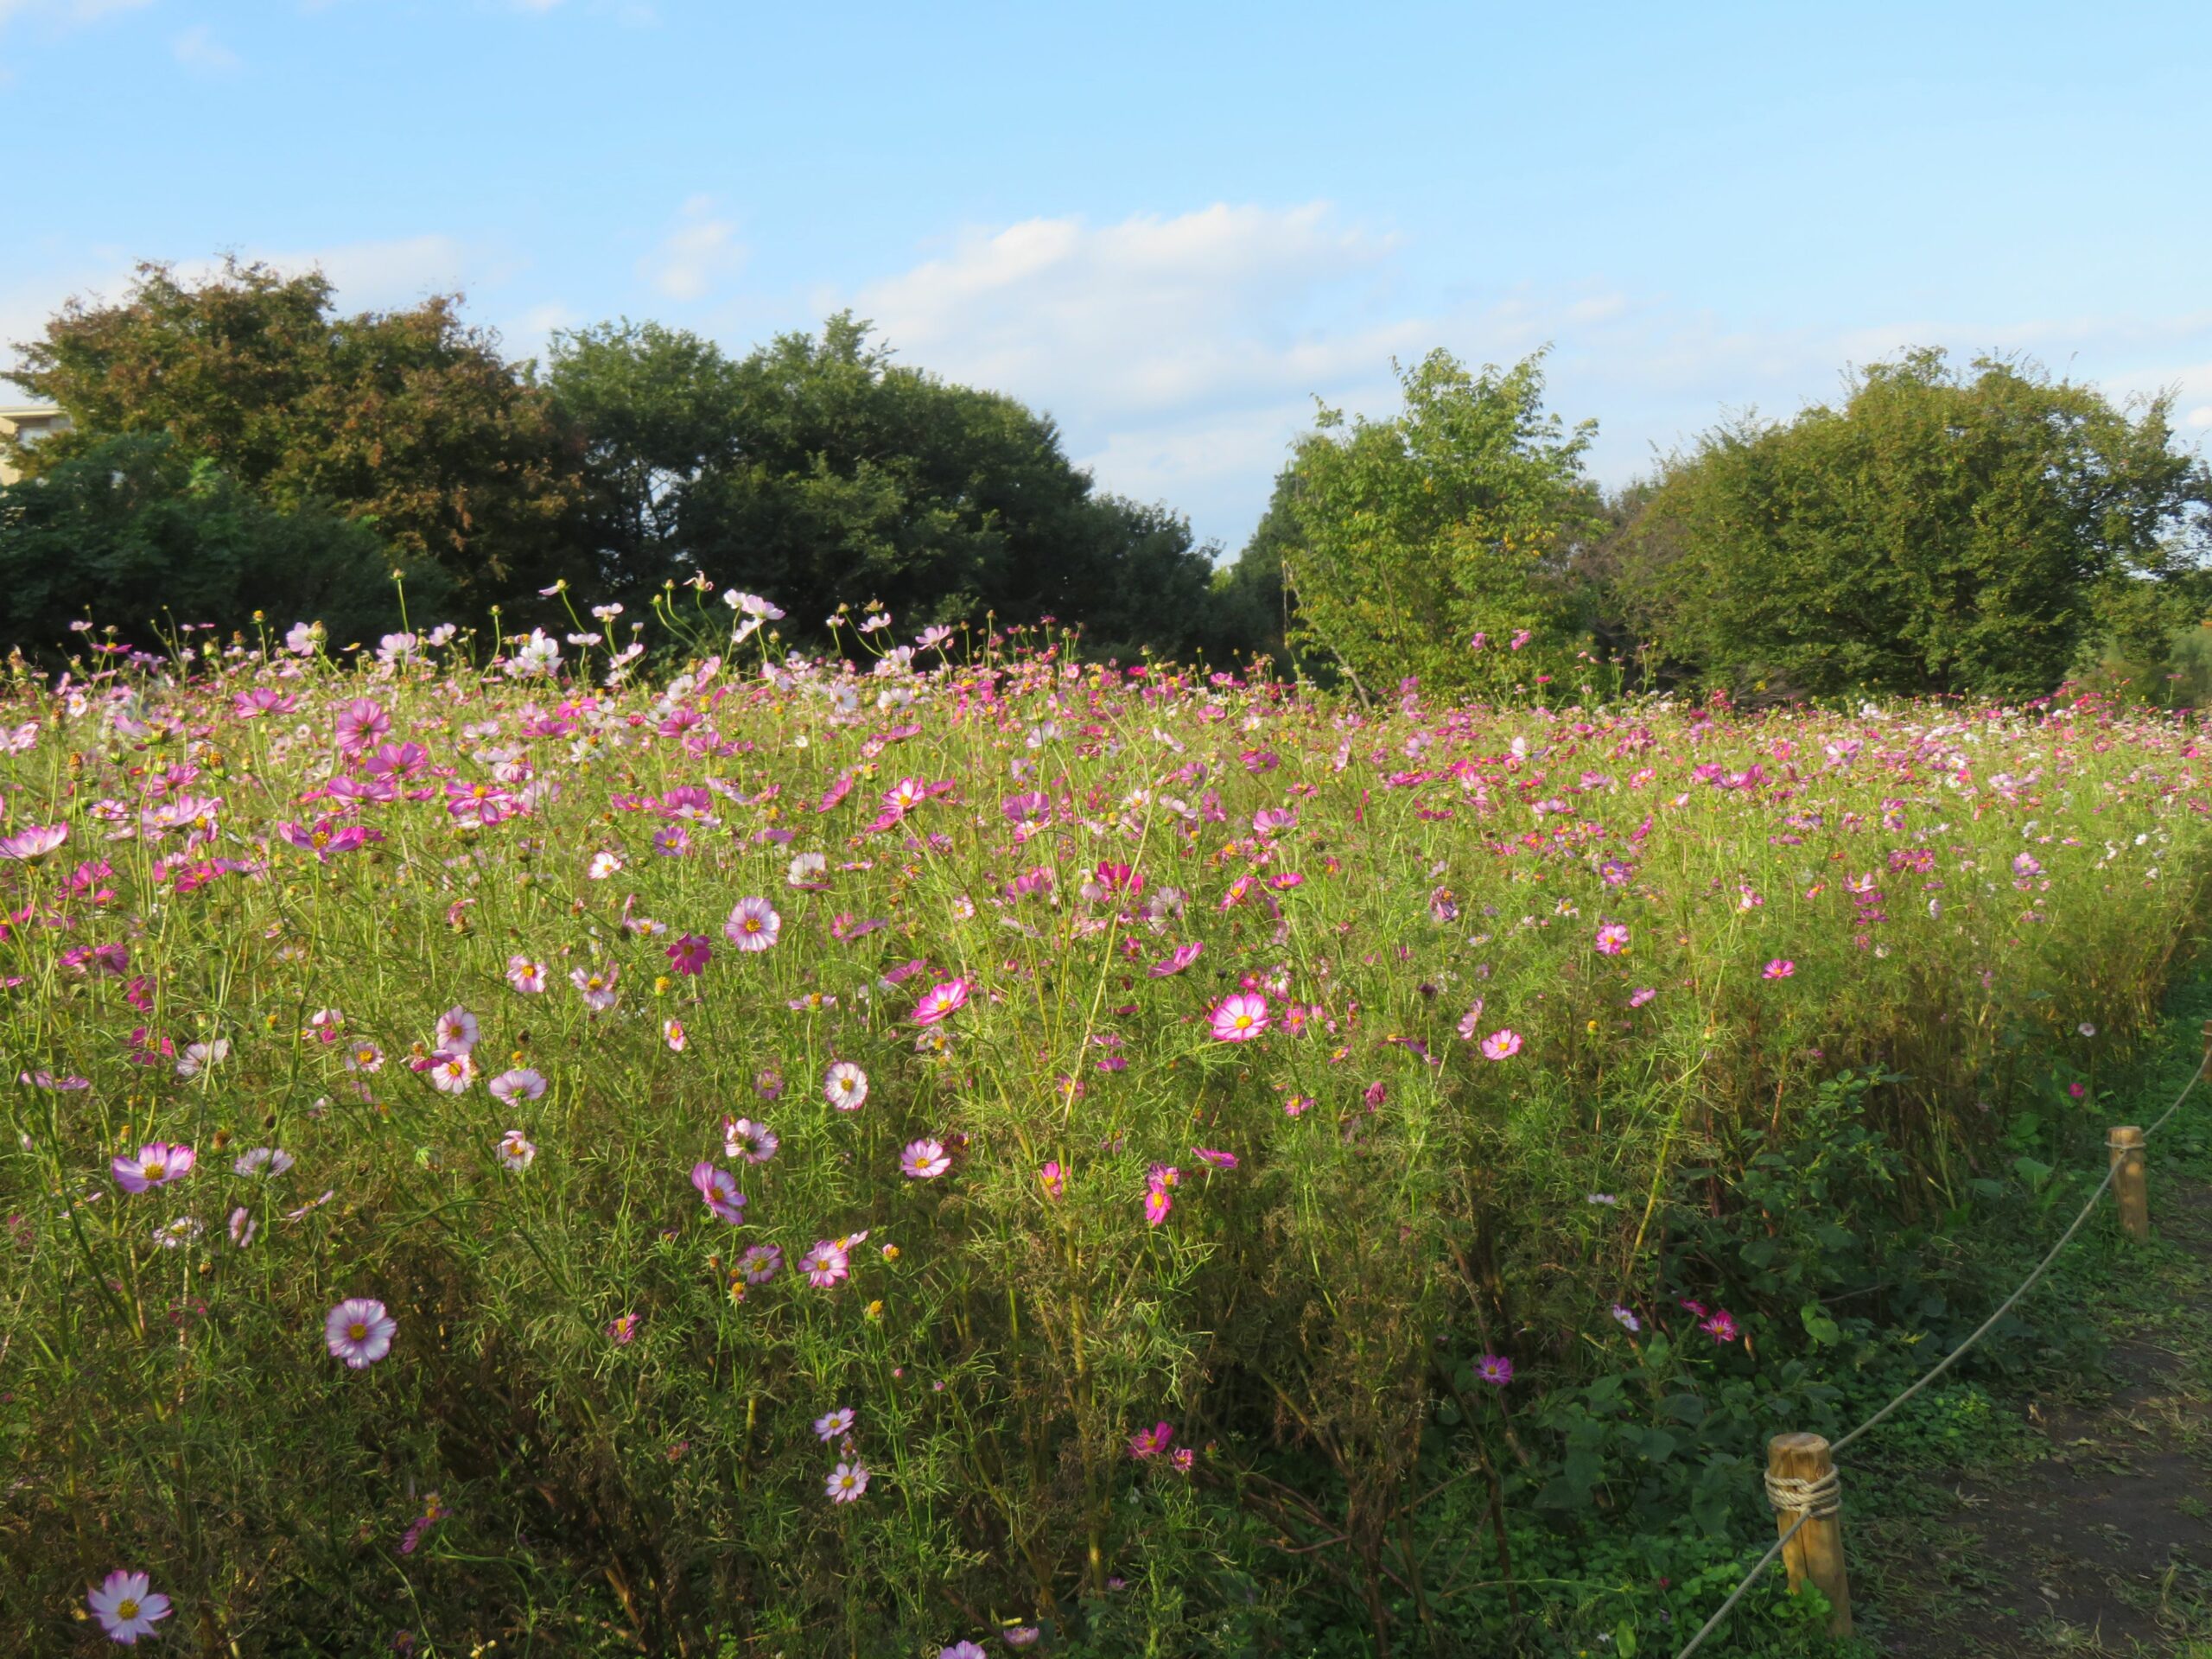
(735, 1154)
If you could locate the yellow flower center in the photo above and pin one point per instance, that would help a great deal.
(127, 1608)
(357, 1332)
(155, 1172)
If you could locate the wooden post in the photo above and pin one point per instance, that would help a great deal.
(1801, 1475)
(2129, 1184)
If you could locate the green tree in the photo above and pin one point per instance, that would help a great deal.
(819, 472)
(129, 526)
(1427, 544)
(1939, 531)
(408, 420)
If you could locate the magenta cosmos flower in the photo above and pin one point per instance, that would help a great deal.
(157, 1164)
(1184, 956)
(753, 924)
(1613, 938)
(825, 1265)
(924, 1160)
(1502, 1045)
(691, 954)
(1054, 1180)
(1495, 1369)
(358, 1331)
(1780, 968)
(1151, 1442)
(126, 1605)
(1158, 1202)
(361, 724)
(846, 1086)
(718, 1189)
(1240, 1017)
(941, 1000)
(1215, 1156)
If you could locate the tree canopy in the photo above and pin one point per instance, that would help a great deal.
(1430, 544)
(1939, 531)
(408, 420)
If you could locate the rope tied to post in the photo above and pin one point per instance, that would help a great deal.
(1815, 1499)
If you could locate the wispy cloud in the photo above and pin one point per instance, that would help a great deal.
(198, 50)
(699, 254)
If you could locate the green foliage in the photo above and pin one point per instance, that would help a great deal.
(1939, 531)
(162, 542)
(1429, 545)
(818, 469)
(408, 420)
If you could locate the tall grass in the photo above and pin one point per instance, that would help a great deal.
(1176, 1339)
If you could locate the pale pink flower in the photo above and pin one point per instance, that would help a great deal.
(1613, 938)
(1215, 1157)
(718, 1190)
(825, 1265)
(1240, 1017)
(847, 1482)
(1502, 1045)
(358, 1331)
(602, 865)
(846, 1086)
(755, 1142)
(924, 1160)
(836, 1425)
(127, 1606)
(596, 986)
(455, 1031)
(753, 924)
(522, 1082)
(671, 1031)
(516, 1151)
(33, 843)
(452, 1074)
(525, 974)
(157, 1164)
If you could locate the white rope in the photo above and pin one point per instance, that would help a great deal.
(1818, 1498)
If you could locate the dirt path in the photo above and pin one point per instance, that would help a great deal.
(2093, 1535)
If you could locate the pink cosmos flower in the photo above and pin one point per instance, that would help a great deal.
(940, 1001)
(361, 724)
(1240, 1017)
(691, 954)
(526, 975)
(243, 1227)
(516, 1151)
(718, 1190)
(671, 1032)
(924, 1160)
(522, 1082)
(847, 1482)
(596, 986)
(755, 1142)
(1151, 1442)
(602, 865)
(1469, 1021)
(964, 1649)
(358, 1331)
(623, 1328)
(1502, 1045)
(1184, 955)
(1642, 997)
(127, 1606)
(1495, 1369)
(35, 843)
(1780, 968)
(1721, 1327)
(451, 1074)
(1157, 1201)
(825, 1265)
(753, 924)
(845, 1087)
(325, 837)
(1613, 938)
(157, 1164)
(836, 1425)
(758, 1263)
(262, 1160)
(455, 1032)
(1212, 1155)
(1054, 1180)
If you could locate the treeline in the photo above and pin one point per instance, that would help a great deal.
(238, 447)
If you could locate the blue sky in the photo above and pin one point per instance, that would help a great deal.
(1172, 226)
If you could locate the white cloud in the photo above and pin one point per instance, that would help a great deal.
(198, 50)
(66, 14)
(700, 252)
